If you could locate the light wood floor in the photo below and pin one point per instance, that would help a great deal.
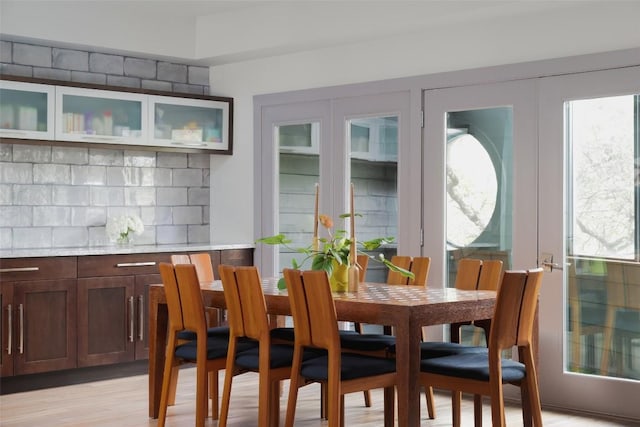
(123, 403)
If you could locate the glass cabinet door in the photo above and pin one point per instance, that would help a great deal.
(26, 110)
(189, 122)
(93, 115)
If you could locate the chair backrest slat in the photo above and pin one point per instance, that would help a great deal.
(395, 278)
(191, 298)
(420, 268)
(173, 296)
(490, 275)
(516, 305)
(254, 307)
(232, 299)
(468, 273)
(298, 302)
(246, 306)
(363, 263)
(310, 294)
(204, 267)
(180, 259)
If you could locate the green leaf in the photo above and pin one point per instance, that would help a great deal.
(278, 239)
(370, 245)
(402, 271)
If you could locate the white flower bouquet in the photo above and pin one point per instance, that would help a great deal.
(120, 229)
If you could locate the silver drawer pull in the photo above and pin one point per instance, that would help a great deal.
(140, 317)
(18, 269)
(10, 327)
(131, 318)
(136, 264)
(21, 338)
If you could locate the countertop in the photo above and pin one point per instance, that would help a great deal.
(115, 249)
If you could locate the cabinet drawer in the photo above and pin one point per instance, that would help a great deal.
(18, 269)
(120, 265)
(237, 257)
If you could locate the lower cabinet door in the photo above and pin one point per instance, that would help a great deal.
(142, 313)
(106, 320)
(44, 325)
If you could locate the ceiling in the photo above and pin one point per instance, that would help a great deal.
(222, 32)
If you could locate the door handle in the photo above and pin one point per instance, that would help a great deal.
(10, 327)
(548, 264)
(21, 319)
(140, 317)
(132, 318)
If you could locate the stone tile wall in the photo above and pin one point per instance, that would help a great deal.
(29, 60)
(59, 197)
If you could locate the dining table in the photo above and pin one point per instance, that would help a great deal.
(405, 308)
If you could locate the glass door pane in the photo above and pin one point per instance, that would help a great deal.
(603, 277)
(374, 173)
(479, 180)
(299, 162)
(588, 209)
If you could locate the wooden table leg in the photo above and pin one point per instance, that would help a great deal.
(158, 324)
(407, 365)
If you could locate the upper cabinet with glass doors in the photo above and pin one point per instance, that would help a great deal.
(189, 122)
(103, 116)
(26, 110)
(67, 113)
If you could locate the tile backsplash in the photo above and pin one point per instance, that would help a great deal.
(61, 197)
(58, 197)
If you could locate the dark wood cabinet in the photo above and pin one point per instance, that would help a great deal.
(6, 329)
(105, 320)
(112, 306)
(38, 315)
(78, 311)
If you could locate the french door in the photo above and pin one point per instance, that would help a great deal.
(480, 187)
(322, 146)
(545, 172)
(589, 227)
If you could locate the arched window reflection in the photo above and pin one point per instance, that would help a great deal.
(471, 189)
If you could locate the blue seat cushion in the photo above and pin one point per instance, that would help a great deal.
(431, 349)
(352, 366)
(211, 332)
(472, 366)
(216, 348)
(350, 340)
(288, 334)
(284, 334)
(281, 355)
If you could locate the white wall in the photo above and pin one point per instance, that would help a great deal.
(597, 27)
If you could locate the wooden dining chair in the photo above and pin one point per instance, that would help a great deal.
(484, 373)
(204, 269)
(489, 280)
(486, 274)
(248, 320)
(180, 259)
(316, 326)
(381, 344)
(186, 311)
(363, 263)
